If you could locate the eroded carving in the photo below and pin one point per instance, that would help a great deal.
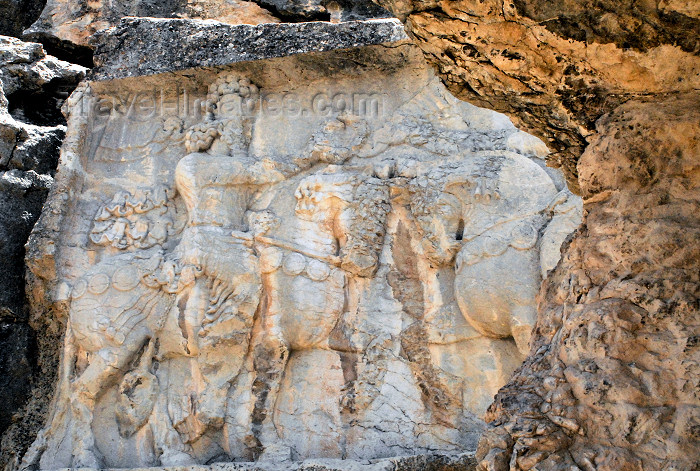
(139, 221)
(346, 288)
(337, 233)
(484, 216)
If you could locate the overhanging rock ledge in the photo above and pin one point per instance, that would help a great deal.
(147, 46)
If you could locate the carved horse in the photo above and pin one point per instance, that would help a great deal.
(123, 304)
(120, 307)
(486, 218)
(116, 311)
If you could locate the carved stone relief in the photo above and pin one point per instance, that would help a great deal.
(327, 281)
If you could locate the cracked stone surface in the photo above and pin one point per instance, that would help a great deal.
(555, 67)
(313, 255)
(425, 462)
(184, 44)
(65, 25)
(29, 143)
(613, 89)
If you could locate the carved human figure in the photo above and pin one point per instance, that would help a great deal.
(217, 182)
(305, 278)
(196, 302)
(486, 218)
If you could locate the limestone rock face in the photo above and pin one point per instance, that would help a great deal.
(309, 255)
(608, 381)
(29, 145)
(556, 66)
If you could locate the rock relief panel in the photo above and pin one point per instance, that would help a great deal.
(360, 294)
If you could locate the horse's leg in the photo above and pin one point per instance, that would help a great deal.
(169, 444)
(60, 404)
(105, 365)
(523, 296)
(523, 319)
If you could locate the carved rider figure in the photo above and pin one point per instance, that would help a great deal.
(194, 305)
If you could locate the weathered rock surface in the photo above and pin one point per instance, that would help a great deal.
(555, 67)
(321, 255)
(17, 15)
(324, 10)
(29, 146)
(611, 379)
(424, 462)
(611, 382)
(185, 44)
(65, 25)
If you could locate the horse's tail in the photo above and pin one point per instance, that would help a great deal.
(56, 421)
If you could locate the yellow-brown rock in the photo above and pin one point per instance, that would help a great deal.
(611, 380)
(556, 66)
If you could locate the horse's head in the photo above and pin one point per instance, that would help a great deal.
(494, 191)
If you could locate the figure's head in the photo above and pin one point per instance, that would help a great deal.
(351, 206)
(261, 222)
(337, 141)
(321, 196)
(232, 95)
(226, 128)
